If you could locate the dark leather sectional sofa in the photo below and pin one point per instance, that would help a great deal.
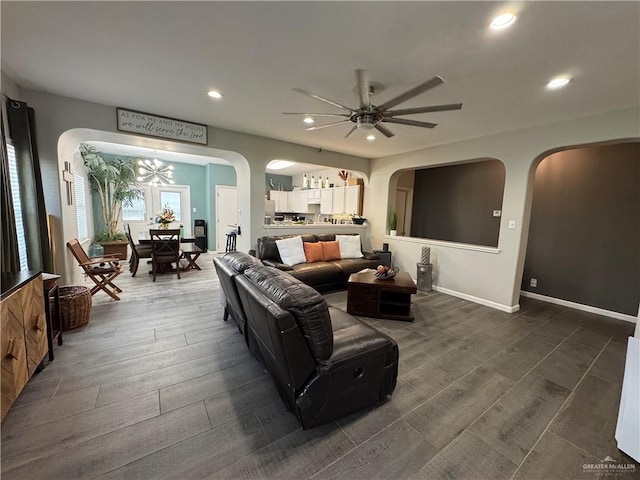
(324, 362)
(323, 276)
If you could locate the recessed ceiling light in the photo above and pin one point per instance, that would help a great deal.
(214, 94)
(308, 120)
(279, 164)
(503, 21)
(558, 82)
(371, 138)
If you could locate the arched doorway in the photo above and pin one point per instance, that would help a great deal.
(584, 230)
(66, 227)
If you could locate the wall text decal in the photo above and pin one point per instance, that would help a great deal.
(158, 126)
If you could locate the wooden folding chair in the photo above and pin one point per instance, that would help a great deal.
(102, 270)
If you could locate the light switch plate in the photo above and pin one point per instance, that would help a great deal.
(194, 209)
(512, 224)
(497, 213)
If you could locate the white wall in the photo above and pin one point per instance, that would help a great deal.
(492, 277)
(9, 87)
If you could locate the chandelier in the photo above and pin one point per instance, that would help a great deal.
(154, 172)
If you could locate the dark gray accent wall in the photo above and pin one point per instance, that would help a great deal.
(584, 236)
(456, 203)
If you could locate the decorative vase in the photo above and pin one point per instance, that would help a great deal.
(426, 255)
(393, 233)
(164, 226)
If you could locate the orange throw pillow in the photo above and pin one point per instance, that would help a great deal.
(330, 251)
(312, 251)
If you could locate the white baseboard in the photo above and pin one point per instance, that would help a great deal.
(580, 306)
(481, 301)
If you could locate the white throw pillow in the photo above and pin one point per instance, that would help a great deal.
(349, 246)
(291, 250)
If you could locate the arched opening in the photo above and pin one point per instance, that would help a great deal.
(459, 202)
(584, 229)
(304, 193)
(205, 180)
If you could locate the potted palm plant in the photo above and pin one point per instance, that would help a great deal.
(115, 183)
(393, 223)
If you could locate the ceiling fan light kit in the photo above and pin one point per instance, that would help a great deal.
(368, 116)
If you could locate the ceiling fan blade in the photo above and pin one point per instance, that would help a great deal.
(322, 99)
(362, 81)
(423, 87)
(434, 108)
(355, 127)
(328, 125)
(318, 114)
(384, 130)
(404, 121)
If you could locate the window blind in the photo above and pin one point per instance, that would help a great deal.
(81, 207)
(17, 206)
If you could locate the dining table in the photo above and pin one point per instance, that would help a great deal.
(189, 251)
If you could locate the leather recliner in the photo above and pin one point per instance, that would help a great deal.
(324, 362)
(228, 267)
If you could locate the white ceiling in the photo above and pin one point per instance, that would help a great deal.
(163, 57)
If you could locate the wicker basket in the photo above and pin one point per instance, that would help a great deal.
(75, 307)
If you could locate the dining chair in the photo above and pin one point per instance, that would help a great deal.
(165, 250)
(101, 270)
(137, 251)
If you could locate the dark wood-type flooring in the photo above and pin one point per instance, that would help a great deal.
(158, 386)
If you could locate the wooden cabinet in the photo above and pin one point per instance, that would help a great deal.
(15, 373)
(23, 336)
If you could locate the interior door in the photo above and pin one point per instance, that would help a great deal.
(226, 214)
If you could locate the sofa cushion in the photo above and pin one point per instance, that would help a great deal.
(313, 251)
(305, 305)
(349, 246)
(353, 265)
(291, 250)
(351, 338)
(240, 261)
(326, 237)
(268, 250)
(316, 274)
(330, 251)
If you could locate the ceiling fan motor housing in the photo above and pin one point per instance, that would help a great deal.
(365, 121)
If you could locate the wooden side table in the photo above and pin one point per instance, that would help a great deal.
(370, 297)
(54, 327)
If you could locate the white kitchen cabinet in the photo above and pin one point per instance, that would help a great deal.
(326, 201)
(299, 201)
(352, 199)
(283, 200)
(314, 195)
(338, 199)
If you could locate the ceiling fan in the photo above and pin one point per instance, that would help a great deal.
(368, 116)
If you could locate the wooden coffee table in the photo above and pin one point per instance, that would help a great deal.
(370, 297)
